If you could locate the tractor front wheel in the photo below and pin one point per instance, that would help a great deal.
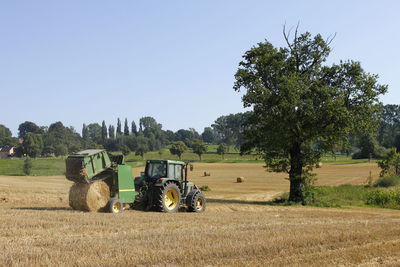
(196, 201)
(168, 198)
(114, 206)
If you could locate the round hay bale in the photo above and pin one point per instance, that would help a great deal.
(89, 197)
(207, 174)
(240, 179)
(318, 165)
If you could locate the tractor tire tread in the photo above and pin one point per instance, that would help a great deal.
(159, 197)
(192, 198)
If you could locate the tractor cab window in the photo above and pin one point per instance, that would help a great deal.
(171, 171)
(175, 171)
(156, 170)
(178, 171)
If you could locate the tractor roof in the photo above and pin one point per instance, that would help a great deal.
(87, 152)
(168, 161)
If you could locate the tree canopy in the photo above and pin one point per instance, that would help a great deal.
(33, 144)
(301, 106)
(229, 129)
(199, 148)
(222, 149)
(178, 148)
(27, 127)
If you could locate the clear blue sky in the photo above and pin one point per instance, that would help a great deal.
(87, 61)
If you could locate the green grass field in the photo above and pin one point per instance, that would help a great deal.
(56, 166)
(40, 166)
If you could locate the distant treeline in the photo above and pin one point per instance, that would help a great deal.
(59, 140)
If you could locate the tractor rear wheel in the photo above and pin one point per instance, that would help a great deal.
(168, 198)
(115, 206)
(196, 201)
(140, 202)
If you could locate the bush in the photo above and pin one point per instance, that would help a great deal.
(381, 152)
(332, 196)
(390, 165)
(205, 188)
(27, 166)
(385, 199)
(387, 181)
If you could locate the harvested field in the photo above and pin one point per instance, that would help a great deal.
(37, 227)
(262, 185)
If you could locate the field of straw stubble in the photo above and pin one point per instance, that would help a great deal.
(38, 228)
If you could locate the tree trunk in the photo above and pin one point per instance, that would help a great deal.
(297, 181)
(297, 190)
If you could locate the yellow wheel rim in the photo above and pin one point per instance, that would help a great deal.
(116, 207)
(199, 203)
(171, 199)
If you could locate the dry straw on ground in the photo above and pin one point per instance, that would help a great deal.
(237, 229)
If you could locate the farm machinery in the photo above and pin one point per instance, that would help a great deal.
(103, 182)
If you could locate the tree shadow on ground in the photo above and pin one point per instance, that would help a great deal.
(238, 201)
(42, 208)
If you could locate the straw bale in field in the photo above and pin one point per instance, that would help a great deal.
(240, 179)
(89, 196)
(318, 165)
(207, 174)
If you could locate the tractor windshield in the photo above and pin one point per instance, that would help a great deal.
(156, 170)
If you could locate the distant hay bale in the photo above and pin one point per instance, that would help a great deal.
(89, 197)
(207, 174)
(318, 165)
(240, 179)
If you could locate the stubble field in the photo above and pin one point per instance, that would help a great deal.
(38, 228)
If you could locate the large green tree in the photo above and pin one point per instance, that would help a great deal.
(4, 131)
(229, 129)
(222, 149)
(33, 144)
(199, 148)
(133, 128)
(85, 132)
(103, 132)
(142, 145)
(178, 148)
(126, 127)
(28, 127)
(389, 125)
(119, 127)
(208, 135)
(153, 131)
(6, 137)
(303, 107)
(94, 130)
(111, 132)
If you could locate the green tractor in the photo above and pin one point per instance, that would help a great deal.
(163, 186)
(103, 181)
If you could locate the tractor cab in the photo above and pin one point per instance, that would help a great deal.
(168, 169)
